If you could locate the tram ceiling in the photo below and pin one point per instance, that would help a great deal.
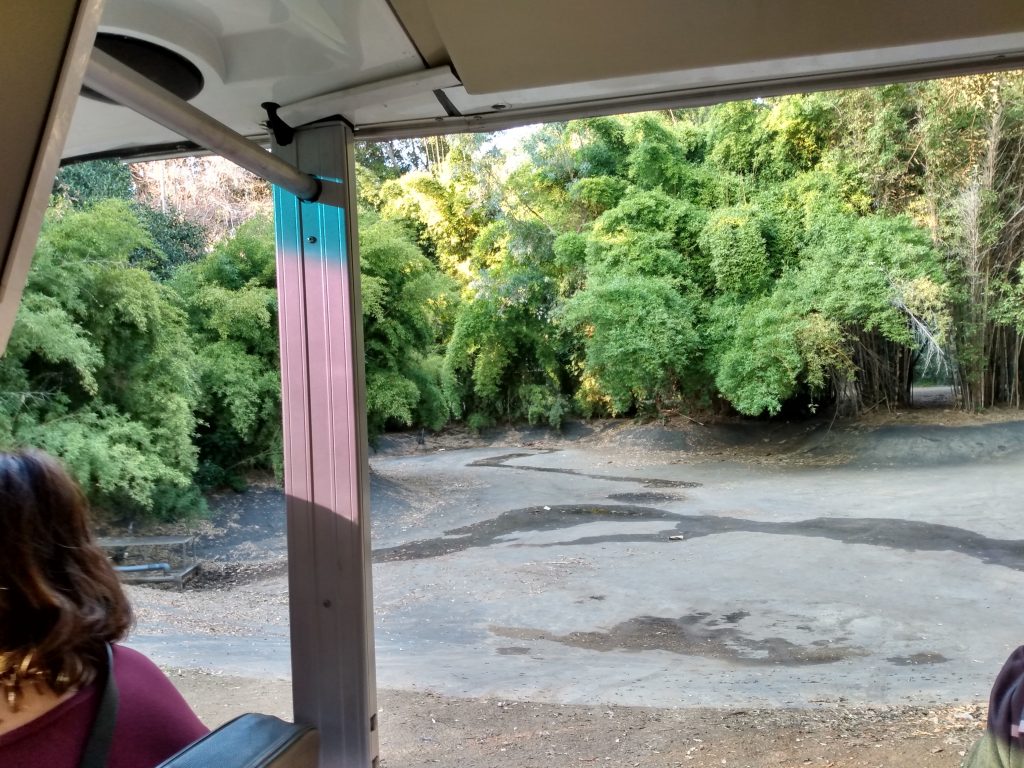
(413, 67)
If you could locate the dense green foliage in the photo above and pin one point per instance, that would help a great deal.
(406, 301)
(721, 258)
(100, 368)
(230, 300)
(150, 365)
(773, 256)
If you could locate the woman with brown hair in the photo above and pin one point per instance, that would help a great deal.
(61, 608)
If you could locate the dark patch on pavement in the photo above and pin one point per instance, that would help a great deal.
(252, 523)
(924, 444)
(514, 650)
(735, 617)
(488, 532)
(906, 535)
(692, 635)
(644, 497)
(252, 526)
(924, 657)
(646, 482)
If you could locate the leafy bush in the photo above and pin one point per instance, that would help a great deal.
(100, 369)
(638, 337)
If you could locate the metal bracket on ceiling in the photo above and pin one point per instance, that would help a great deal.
(345, 102)
(283, 133)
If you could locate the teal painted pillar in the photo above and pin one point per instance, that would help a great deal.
(325, 454)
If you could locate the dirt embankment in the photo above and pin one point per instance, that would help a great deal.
(932, 435)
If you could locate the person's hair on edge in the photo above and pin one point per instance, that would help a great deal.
(60, 598)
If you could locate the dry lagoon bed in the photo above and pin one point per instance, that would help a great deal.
(648, 595)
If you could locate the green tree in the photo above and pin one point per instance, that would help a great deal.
(639, 342)
(230, 298)
(407, 303)
(174, 239)
(85, 183)
(503, 360)
(100, 369)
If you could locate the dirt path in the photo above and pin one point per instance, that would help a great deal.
(422, 730)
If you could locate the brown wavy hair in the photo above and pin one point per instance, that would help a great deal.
(60, 599)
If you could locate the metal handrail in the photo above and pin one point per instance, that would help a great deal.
(123, 85)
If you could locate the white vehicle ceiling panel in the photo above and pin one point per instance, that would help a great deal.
(504, 62)
(499, 46)
(250, 52)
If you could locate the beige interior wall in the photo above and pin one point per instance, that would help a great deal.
(44, 49)
(419, 24)
(32, 44)
(501, 45)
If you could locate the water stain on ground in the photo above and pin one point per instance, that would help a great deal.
(906, 535)
(696, 634)
(516, 521)
(735, 617)
(924, 657)
(647, 482)
(644, 497)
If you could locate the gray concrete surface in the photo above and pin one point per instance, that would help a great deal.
(617, 575)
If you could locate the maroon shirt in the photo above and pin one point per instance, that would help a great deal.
(153, 722)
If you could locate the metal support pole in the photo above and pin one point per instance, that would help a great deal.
(325, 450)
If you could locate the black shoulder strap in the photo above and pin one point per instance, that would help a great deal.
(98, 746)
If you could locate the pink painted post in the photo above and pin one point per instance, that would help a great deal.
(325, 452)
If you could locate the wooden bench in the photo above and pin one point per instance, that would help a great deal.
(153, 559)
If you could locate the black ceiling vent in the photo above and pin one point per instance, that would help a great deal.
(164, 67)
